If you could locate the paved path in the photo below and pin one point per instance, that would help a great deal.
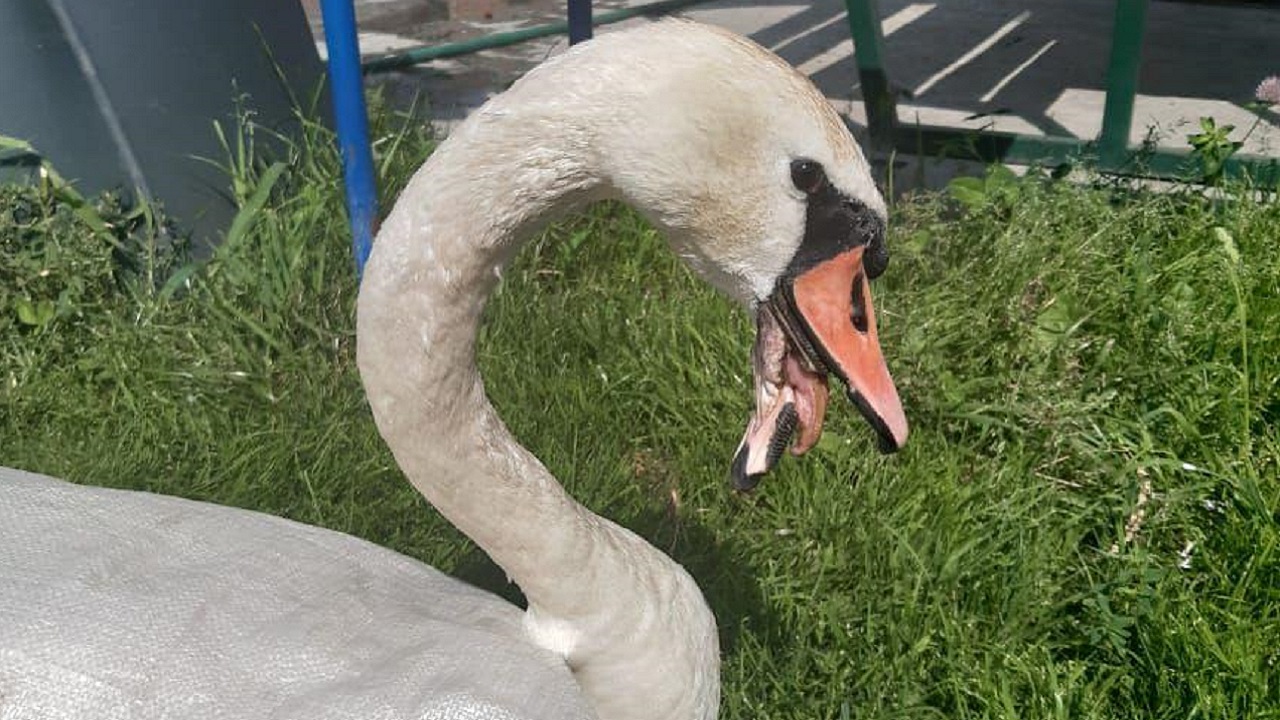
(1033, 66)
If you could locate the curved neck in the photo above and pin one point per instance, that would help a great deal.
(630, 622)
(436, 260)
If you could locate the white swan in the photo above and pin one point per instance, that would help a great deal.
(155, 607)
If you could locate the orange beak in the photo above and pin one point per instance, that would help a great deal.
(818, 321)
(833, 302)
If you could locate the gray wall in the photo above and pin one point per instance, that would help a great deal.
(124, 93)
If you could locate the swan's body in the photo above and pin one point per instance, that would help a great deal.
(118, 605)
(759, 186)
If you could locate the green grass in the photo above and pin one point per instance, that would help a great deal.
(1061, 351)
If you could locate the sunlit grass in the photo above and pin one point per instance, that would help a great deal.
(1084, 523)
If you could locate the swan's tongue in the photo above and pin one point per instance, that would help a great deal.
(791, 402)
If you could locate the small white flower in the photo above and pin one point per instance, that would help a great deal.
(1269, 91)
(1184, 557)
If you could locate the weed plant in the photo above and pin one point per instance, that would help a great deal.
(1083, 525)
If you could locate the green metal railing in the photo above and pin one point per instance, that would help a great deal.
(414, 56)
(1110, 152)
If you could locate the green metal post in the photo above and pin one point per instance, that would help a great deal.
(1111, 150)
(1122, 82)
(868, 39)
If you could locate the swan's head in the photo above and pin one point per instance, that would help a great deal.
(751, 174)
(817, 320)
(763, 190)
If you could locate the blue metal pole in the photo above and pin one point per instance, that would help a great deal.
(347, 85)
(579, 21)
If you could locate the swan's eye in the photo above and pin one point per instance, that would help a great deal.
(808, 176)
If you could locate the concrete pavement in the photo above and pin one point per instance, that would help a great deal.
(1031, 66)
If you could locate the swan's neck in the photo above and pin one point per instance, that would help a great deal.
(631, 623)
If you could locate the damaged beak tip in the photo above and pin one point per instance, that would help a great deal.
(762, 447)
(738, 477)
